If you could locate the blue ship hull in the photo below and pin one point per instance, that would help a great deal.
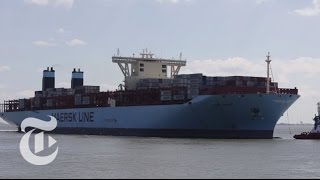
(206, 116)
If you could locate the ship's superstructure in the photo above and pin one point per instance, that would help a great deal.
(156, 101)
(136, 69)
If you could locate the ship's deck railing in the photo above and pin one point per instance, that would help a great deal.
(118, 59)
(245, 90)
(7, 106)
(287, 91)
(2, 108)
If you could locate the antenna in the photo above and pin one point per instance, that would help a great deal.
(118, 52)
(181, 56)
(146, 54)
(268, 72)
(143, 53)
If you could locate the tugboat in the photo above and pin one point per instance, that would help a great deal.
(315, 132)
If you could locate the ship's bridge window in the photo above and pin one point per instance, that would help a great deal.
(164, 66)
(141, 70)
(164, 70)
(141, 65)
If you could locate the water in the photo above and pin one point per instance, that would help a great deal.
(130, 157)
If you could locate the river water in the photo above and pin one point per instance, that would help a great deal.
(83, 156)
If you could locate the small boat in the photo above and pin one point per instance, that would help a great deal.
(315, 132)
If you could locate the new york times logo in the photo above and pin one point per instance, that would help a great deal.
(39, 141)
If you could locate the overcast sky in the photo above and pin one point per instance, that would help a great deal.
(217, 37)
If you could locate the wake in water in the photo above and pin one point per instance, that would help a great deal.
(8, 130)
(2, 121)
(5, 127)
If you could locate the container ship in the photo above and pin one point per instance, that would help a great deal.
(156, 101)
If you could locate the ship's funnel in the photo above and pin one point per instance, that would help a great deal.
(48, 80)
(77, 78)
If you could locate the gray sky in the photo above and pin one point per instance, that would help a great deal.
(217, 37)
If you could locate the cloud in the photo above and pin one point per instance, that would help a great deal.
(262, 1)
(225, 67)
(38, 2)
(5, 96)
(108, 87)
(2, 86)
(25, 94)
(4, 68)
(10, 95)
(60, 31)
(306, 66)
(64, 84)
(55, 3)
(173, 1)
(76, 42)
(64, 3)
(43, 44)
(309, 11)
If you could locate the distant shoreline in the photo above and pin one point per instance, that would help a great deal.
(294, 124)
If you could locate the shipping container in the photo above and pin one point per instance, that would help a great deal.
(194, 92)
(166, 93)
(195, 76)
(250, 84)
(78, 99)
(37, 102)
(165, 86)
(178, 81)
(70, 92)
(239, 83)
(166, 81)
(194, 86)
(85, 100)
(195, 81)
(87, 89)
(166, 98)
(192, 96)
(38, 94)
(231, 83)
(22, 103)
(180, 85)
(182, 76)
(178, 97)
(49, 102)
